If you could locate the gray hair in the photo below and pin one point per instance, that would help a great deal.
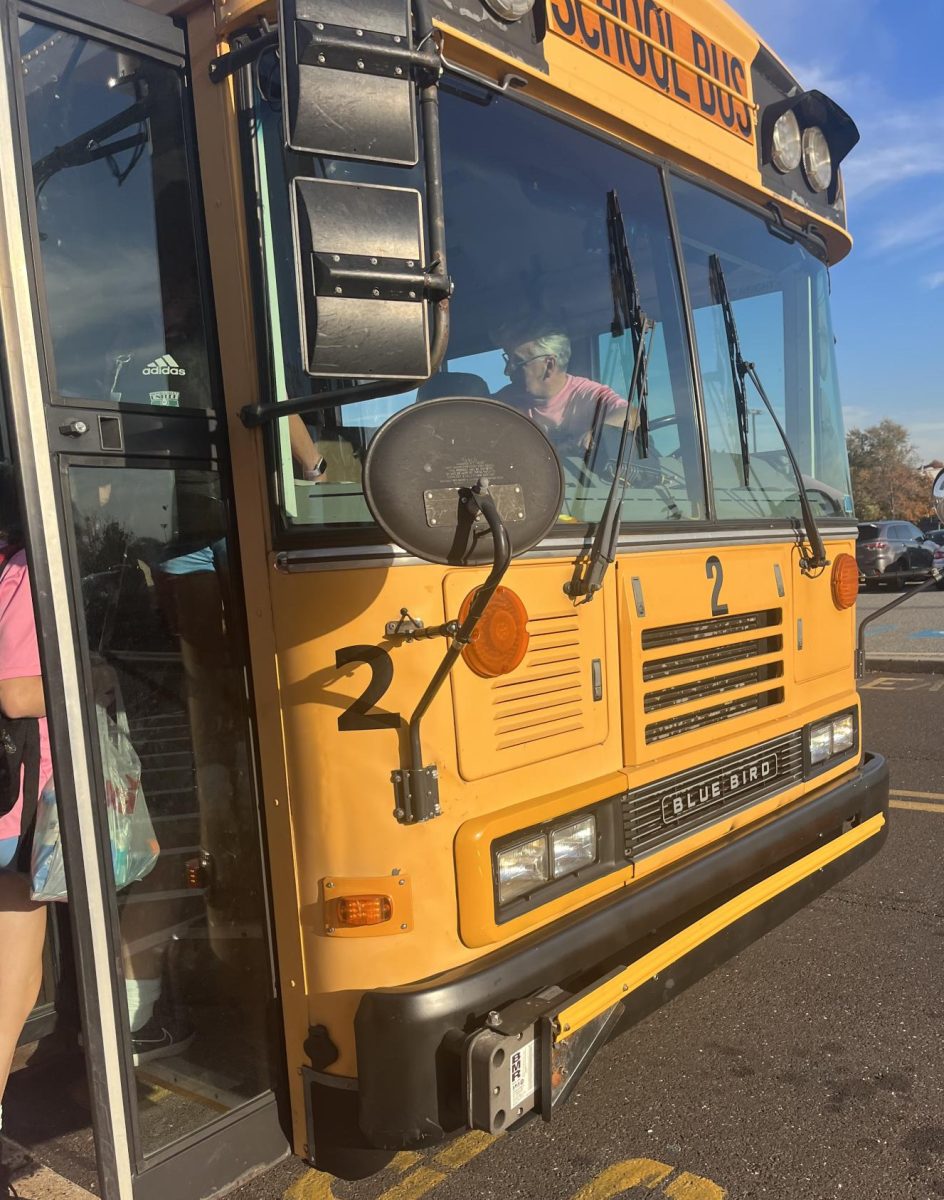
(557, 344)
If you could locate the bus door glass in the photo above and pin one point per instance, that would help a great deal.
(119, 253)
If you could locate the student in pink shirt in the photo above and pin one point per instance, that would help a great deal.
(569, 408)
(22, 923)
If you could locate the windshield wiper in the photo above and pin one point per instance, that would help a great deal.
(627, 314)
(738, 365)
(813, 559)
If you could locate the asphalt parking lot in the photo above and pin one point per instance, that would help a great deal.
(911, 636)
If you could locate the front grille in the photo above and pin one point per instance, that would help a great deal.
(723, 689)
(671, 809)
(696, 631)
(661, 730)
(699, 660)
(684, 693)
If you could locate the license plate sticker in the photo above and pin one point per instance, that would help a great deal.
(718, 788)
(522, 1075)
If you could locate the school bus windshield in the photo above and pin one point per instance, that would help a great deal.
(531, 324)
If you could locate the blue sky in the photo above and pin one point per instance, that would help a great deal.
(882, 63)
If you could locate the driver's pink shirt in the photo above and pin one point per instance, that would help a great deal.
(572, 409)
(19, 657)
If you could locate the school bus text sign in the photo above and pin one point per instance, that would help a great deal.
(664, 61)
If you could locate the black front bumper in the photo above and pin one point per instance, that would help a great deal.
(409, 1069)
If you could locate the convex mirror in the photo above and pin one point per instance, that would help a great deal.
(424, 462)
(937, 494)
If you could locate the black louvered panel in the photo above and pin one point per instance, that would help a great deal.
(731, 681)
(664, 812)
(712, 656)
(714, 627)
(658, 731)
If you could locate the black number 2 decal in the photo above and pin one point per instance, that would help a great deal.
(714, 568)
(358, 714)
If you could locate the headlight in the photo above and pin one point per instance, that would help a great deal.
(832, 738)
(785, 147)
(821, 742)
(817, 162)
(522, 868)
(843, 734)
(573, 846)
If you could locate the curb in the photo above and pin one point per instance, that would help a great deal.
(904, 664)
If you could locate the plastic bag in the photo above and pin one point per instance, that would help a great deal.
(134, 847)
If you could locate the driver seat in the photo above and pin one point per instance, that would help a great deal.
(452, 383)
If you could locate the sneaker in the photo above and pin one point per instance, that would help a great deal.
(159, 1038)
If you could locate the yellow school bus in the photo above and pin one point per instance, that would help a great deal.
(538, 582)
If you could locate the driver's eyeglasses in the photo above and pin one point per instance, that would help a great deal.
(513, 363)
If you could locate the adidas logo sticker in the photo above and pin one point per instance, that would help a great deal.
(165, 365)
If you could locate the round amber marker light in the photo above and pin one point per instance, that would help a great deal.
(845, 581)
(500, 639)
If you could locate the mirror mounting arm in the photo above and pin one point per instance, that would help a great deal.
(245, 51)
(416, 787)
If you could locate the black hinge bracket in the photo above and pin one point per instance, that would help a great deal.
(365, 52)
(367, 277)
(416, 791)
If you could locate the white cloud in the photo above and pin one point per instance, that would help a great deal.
(897, 147)
(855, 416)
(934, 280)
(928, 439)
(920, 229)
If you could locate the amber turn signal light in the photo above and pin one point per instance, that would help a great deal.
(354, 911)
(500, 639)
(845, 581)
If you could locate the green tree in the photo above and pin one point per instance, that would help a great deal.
(886, 481)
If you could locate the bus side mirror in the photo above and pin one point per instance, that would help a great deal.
(350, 74)
(347, 80)
(459, 481)
(427, 464)
(937, 494)
(363, 298)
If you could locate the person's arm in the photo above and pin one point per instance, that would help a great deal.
(22, 697)
(615, 408)
(21, 686)
(304, 448)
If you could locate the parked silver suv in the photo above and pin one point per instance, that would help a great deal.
(892, 552)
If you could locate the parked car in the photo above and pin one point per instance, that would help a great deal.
(892, 552)
(934, 541)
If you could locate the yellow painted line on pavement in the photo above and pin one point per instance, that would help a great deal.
(917, 795)
(918, 806)
(403, 1160)
(693, 1187)
(313, 1185)
(633, 1172)
(459, 1152)
(450, 1158)
(316, 1185)
(423, 1180)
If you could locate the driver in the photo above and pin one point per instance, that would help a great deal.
(569, 408)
